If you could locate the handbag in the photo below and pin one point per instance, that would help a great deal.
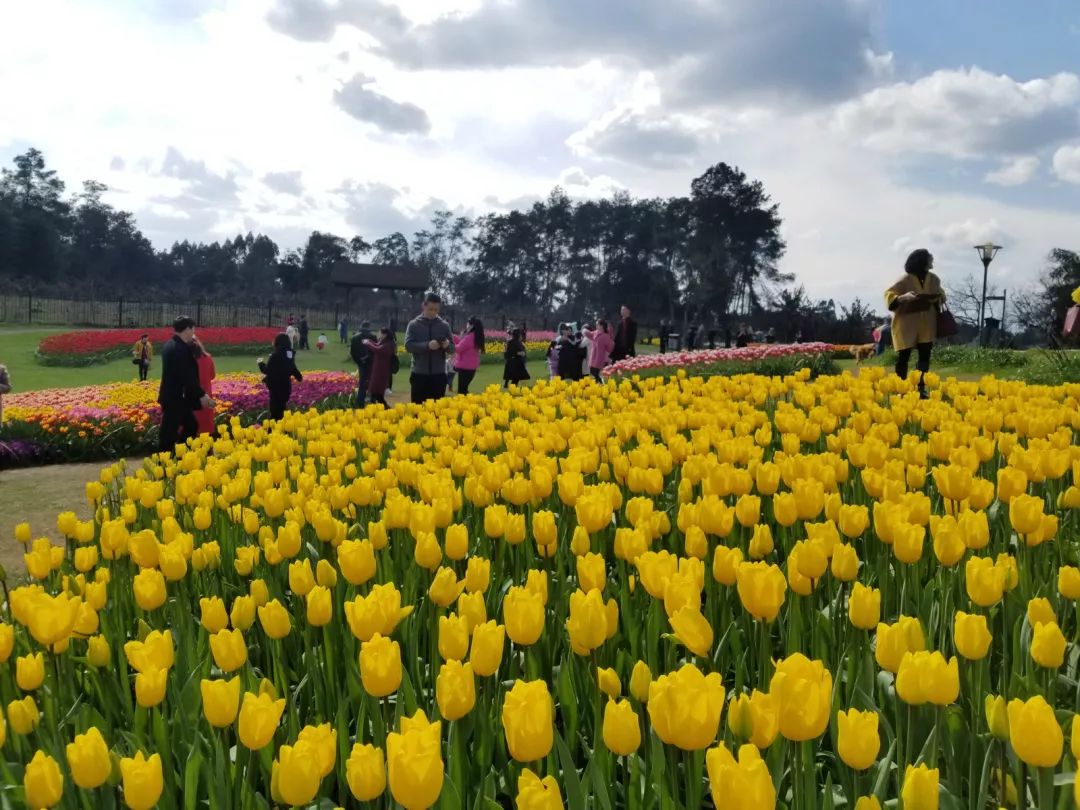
(946, 323)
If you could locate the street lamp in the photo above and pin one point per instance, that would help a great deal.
(987, 253)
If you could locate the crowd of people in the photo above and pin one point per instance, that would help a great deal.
(438, 357)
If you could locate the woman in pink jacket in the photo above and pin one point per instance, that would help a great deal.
(600, 345)
(467, 351)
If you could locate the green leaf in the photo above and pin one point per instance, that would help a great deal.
(191, 779)
(575, 794)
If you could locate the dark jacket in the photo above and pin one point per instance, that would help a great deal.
(381, 356)
(571, 357)
(179, 377)
(625, 340)
(280, 370)
(418, 334)
(360, 353)
(514, 369)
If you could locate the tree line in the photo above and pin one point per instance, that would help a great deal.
(709, 258)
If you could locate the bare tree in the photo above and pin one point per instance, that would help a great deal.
(964, 298)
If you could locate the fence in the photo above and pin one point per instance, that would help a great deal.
(121, 313)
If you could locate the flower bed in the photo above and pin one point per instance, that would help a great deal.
(95, 346)
(767, 590)
(768, 359)
(112, 421)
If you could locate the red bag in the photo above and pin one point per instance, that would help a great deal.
(1072, 323)
(946, 323)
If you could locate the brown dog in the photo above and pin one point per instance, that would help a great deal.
(864, 352)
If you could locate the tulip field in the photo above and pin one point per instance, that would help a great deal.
(657, 593)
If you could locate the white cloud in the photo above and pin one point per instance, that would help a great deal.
(1014, 172)
(1067, 163)
(964, 113)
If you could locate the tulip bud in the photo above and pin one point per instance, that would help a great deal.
(455, 690)
(621, 728)
(221, 701)
(858, 742)
(971, 635)
(997, 719)
(487, 648)
(88, 759)
(640, 678)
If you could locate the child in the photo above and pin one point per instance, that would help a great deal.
(280, 370)
(450, 371)
(383, 354)
(320, 343)
(514, 370)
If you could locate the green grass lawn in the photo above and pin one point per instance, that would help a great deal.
(17, 347)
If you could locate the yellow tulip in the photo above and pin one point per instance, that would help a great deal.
(693, 630)
(259, 718)
(295, 774)
(214, 618)
(88, 759)
(1068, 584)
(380, 666)
(487, 648)
(591, 572)
(30, 671)
(726, 562)
(7, 641)
(143, 780)
(445, 587)
(745, 781)
(477, 575)
(608, 681)
(997, 718)
(803, 691)
(23, 715)
(845, 563)
(587, 624)
(319, 607)
(971, 635)
(356, 559)
(221, 701)
(853, 520)
(98, 652)
(920, 791)
(685, 706)
(455, 690)
(621, 728)
(229, 650)
(43, 783)
(761, 589)
(785, 509)
(640, 678)
(984, 581)
(275, 620)
(535, 793)
(926, 677)
(1026, 514)
(857, 742)
(149, 589)
(523, 615)
(1034, 732)
(1048, 645)
(365, 771)
(150, 687)
(1039, 610)
(527, 718)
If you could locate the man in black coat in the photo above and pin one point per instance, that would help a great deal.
(361, 355)
(180, 394)
(625, 336)
(305, 330)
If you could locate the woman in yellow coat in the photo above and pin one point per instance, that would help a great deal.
(141, 355)
(914, 301)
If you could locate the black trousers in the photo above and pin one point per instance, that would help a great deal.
(595, 374)
(903, 360)
(177, 426)
(144, 370)
(465, 378)
(427, 386)
(277, 406)
(365, 381)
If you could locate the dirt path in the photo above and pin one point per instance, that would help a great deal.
(37, 495)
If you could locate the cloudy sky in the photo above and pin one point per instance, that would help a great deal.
(877, 125)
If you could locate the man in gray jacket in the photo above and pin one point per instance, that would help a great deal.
(429, 339)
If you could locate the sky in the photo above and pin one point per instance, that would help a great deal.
(878, 126)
